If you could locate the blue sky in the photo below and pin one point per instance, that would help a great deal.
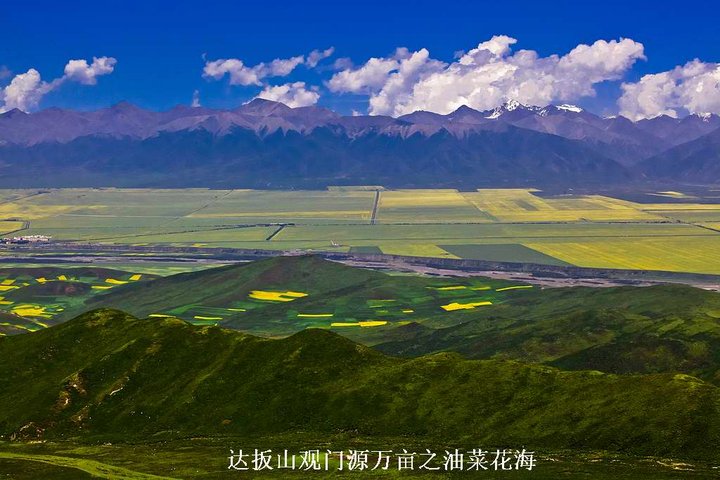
(161, 47)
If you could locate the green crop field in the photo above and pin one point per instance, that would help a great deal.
(676, 232)
(35, 297)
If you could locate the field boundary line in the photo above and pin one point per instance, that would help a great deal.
(275, 233)
(13, 200)
(25, 226)
(376, 204)
(706, 227)
(202, 207)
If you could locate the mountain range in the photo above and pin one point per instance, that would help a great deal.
(265, 144)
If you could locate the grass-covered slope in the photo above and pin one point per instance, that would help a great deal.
(224, 285)
(667, 328)
(32, 298)
(320, 293)
(107, 375)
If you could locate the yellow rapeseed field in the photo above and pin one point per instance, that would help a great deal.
(276, 296)
(515, 287)
(520, 205)
(451, 307)
(367, 323)
(699, 254)
(26, 310)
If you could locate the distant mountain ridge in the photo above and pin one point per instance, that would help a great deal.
(699, 158)
(268, 144)
(266, 117)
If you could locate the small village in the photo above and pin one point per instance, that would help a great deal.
(23, 240)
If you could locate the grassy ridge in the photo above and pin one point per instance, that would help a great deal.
(668, 328)
(347, 294)
(107, 375)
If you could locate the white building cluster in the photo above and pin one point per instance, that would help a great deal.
(26, 239)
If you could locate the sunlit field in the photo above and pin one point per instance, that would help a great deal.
(676, 232)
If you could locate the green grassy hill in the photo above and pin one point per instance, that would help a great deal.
(660, 329)
(322, 294)
(32, 298)
(225, 285)
(668, 328)
(109, 376)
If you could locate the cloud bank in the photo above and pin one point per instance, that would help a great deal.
(26, 90)
(291, 94)
(693, 87)
(485, 76)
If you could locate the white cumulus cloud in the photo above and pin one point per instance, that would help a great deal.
(280, 67)
(236, 69)
(26, 90)
(316, 56)
(485, 76)
(398, 88)
(293, 95)
(86, 74)
(693, 87)
(369, 77)
(244, 75)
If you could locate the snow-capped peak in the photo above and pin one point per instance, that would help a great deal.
(705, 116)
(508, 106)
(569, 108)
(496, 113)
(511, 105)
